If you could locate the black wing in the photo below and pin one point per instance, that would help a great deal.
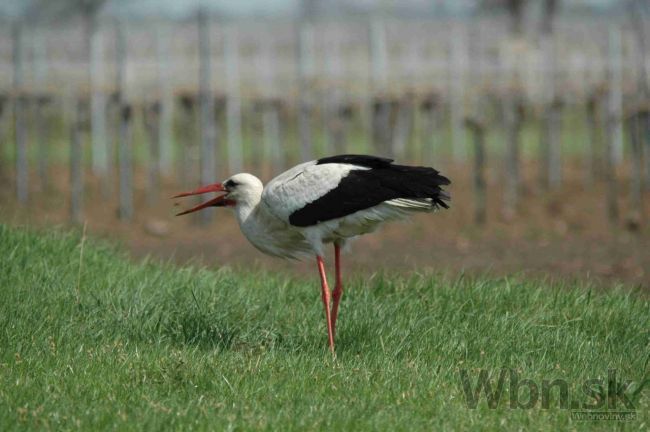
(359, 160)
(362, 189)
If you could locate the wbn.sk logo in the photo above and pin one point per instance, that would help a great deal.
(598, 399)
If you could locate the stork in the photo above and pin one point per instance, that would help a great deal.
(329, 200)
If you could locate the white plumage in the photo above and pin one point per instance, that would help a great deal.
(325, 201)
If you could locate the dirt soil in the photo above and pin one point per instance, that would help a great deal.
(555, 234)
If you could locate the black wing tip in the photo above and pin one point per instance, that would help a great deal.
(442, 199)
(444, 181)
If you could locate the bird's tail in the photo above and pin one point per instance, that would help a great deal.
(422, 188)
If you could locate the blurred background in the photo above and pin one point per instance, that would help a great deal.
(538, 110)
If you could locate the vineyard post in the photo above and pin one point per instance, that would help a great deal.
(151, 116)
(477, 129)
(164, 76)
(19, 99)
(206, 106)
(98, 104)
(615, 91)
(305, 63)
(233, 102)
(126, 163)
(457, 65)
(42, 130)
(76, 162)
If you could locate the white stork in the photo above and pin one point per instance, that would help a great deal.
(328, 200)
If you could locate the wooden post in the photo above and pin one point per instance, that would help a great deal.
(273, 150)
(76, 163)
(166, 97)
(550, 139)
(68, 105)
(610, 166)
(255, 129)
(378, 55)
(98, 105)
(407, 128)
(305, 130)
(305, 76)
(206, 101)
(125, 157)
(478, 135)
(271, 125)
(337, 112)
(151, 116)
(551, 133)
(381, 126)
(125, 114)
(457, 66)
(233, 104)
(341, 118)
(430, 108)
(113, 106)
(513, 119)
(416, 151)
(645, 146)
(39, 60)
(20, 133)
(634, 128)
(4, 103)
(188, 152)
(118, 110)
(41, 113)
(404, 126)
(335, 107)
(379, 78)
(42, 126)
(640, 53)
(594, 143)
(615, 92)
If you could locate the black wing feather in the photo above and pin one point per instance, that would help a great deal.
(359, 160)
(362, 189)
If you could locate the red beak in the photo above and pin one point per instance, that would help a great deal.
(219, 201)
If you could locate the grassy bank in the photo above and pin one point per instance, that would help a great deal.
(91, 340)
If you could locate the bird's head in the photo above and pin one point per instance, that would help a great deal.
(239, 189)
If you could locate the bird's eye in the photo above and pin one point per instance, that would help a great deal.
(230, 184)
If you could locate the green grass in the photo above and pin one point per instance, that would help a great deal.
(93, 341)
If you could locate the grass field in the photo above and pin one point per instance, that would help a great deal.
(91, 340)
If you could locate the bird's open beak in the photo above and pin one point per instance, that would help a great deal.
(220, 201)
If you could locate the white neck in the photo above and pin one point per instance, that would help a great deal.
(256, 223)
(247, 197)
(244, 209)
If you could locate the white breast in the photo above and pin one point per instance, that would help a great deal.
(273, 236)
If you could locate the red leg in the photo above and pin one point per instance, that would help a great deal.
(338, 288)
(326, 301)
